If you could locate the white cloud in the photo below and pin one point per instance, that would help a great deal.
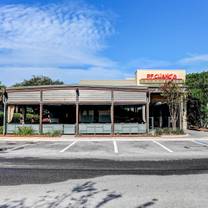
(194, 59)
(36, 38)
(76, 74)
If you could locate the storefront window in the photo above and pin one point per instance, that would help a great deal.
(129, 114)
(21, 114)
(95, 114)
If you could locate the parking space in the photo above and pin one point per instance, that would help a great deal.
(184, 146)
(202, 142)
(6, 146)
(88, 147)
(104, 148)
(138, 147)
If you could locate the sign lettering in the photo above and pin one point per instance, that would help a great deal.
(167, 76)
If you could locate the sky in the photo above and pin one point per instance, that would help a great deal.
(72, 40)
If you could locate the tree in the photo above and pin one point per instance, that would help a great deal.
(2, 87)
(38, 80)
(198, 88)
(174, 95)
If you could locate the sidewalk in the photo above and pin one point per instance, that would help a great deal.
(105, 138)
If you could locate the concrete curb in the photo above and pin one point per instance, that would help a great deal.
(173, 136)
(101, 139)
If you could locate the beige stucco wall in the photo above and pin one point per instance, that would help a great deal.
(141, 74)
(131, 82)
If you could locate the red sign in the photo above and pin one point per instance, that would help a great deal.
(167, 76)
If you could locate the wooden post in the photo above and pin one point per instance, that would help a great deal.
(112, 113)
(147, 112)
(77, 113)
(41, 113)
(184, 114)
(181, 115)
(5, 117)
(24, 112)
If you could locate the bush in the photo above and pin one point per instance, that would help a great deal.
(30, 116)
(54, 133)
(168, 131)
(178, 131)
(24, 130)
(1, 129)
(1, 117)
(158, 132)
(16, 118)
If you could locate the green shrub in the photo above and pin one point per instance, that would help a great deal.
(24, 130)
(54, 133)
(30, 116)
(158, 132)
(1, 129)
(16, 118)
(178, 131)
(1, 117)
(168, 131)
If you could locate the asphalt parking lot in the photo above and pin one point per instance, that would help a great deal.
(115, 149)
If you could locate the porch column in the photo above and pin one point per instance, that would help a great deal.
(112, 113)
(184, 114)
(147, 111)
(77, 113)
(5, 117)
(23, 114)
(183, 121)
(41, 113)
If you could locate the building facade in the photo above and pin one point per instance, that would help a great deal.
(106, 107)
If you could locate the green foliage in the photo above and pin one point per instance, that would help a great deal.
(158, 132)
(16, 117)
(37, 81)
(168, 131)
(1, 117)
(174, 95)
(24, 130)
(32, 118)
(1, 85)
(1, 129)
(54, 133)
(2, 89)
(198, 89)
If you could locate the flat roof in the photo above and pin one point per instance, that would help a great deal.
(45, 87)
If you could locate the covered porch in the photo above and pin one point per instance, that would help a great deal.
(79, 111)
(92, 119)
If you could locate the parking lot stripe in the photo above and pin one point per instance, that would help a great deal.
(115, 147)
(66, 148)
(201, 143)
(19, 147)
(161, 145)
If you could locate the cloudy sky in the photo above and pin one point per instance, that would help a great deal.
(98, 39)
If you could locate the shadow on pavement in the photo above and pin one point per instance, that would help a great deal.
(80, 196)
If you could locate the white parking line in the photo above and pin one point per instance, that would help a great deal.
(201, 143)
(66, 148)
(161, 145)
(19, 147)
(115, 146)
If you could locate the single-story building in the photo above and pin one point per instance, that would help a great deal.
(131, 106)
